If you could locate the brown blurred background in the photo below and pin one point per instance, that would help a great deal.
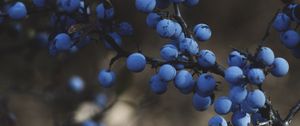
(34, 84)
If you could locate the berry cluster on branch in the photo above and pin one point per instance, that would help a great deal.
(182, 62)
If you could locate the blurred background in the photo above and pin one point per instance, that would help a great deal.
(34, 86)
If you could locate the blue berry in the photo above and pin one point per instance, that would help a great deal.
(256, 76)
(152, 19)
(183, 80)
(265, 56)
(106, 78)
(17, 11)
(256, 99)
(238, 94)
(201, 103)
(290, 38)
(240, 119)
(206, 84)
(236, 59)
(104, 13)
(189, 45)
(145, 5)
(280, 67)
(178, 30)
(165, 28)
(62, 41)
(136, 62)
(222, 105)
(157, 85)
(169, 52)
(206, 58)
(167, 72)
(217, 121)
(281, 22)
(76, 83)
(234, 75)
(125, 29)
(180, 37)
(202, 32)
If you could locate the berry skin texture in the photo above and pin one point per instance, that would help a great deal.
(256, 76)
(178, 30)
(104, 13)
(222, 105)
(152, 20)
(206, 58)
(62, 41)
(189, 45)
(201, 103)
(136, 62)
(158, 86)
(238, 94)
(169, 52)
(256, 99)
(69, 5)
(76, 83)
(117, 39)
(236, 59)
(167, 72)
(106, 78)
(234, 75)
(281, 22)
(217, 121)
(290, 38)
(240, 119)
(183, 80)
(165, 28)
(145, 5)
(265, 56)
(206, 84)
(17, 11)
(202, 32)
(280, 67)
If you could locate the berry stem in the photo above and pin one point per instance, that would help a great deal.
(180, 20)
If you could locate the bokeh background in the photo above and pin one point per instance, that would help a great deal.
(34, 86)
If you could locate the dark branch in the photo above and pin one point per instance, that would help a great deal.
(181, 21)
(293, 111)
